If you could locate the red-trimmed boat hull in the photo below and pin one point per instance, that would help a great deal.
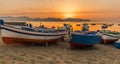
(109, 41)
(76, 45)
(11, 40)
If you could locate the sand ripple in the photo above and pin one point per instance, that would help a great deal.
(58, 54)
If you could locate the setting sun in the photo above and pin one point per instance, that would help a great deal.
(69, 15)
(68, 10)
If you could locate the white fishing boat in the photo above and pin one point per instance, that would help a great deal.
(13, 35)
(109, 38)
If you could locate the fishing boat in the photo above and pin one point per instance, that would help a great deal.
(104, 26)
(79, 39)
(84, 38)
(117, 44)
(77, 24)
(93, 24)
(13, 35)
(109, 38)
(110, 24)
(118, 24)
(85, 27)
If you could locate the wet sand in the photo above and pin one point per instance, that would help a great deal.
(58, 54)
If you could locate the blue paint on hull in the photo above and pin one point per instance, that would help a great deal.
(1, 22)
(88, 39)
(117, 44)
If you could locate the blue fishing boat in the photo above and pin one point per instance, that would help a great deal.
(117, 44)
(84, 38)
(80, 39)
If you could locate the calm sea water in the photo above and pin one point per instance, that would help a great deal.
(98, 25)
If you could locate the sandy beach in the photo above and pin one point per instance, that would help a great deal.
(83, 23)
(58, 54)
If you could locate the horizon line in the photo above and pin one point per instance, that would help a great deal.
(59, 12)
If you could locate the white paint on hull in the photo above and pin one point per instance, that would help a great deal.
(106, 37)
(118, 41)
(7, 33)
(20, 30)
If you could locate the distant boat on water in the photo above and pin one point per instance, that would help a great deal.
(104, 26)
(93, 24)
(13, 35)
(77, 24)
(118, 24)
(110, 24)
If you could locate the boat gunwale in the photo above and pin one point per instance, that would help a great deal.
(85, 35)
(31, 32)
(111, 35)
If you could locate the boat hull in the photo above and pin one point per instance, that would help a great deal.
(74, 45)
(117, 44)
(109, 39)
(83, 40)
(16, 36)
(11, 40)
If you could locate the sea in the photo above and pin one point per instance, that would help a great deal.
(94, 26)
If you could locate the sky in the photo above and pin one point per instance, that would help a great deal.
(96, 10)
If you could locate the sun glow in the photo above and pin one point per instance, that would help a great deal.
(67, 10)
(70, 15)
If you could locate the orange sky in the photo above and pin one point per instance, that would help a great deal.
(101, 10)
